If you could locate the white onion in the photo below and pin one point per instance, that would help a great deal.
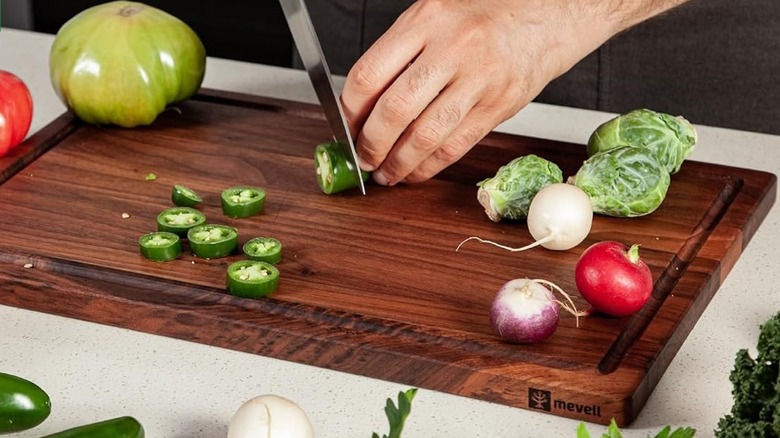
(270, 416)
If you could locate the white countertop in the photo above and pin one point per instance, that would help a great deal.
(180, 389)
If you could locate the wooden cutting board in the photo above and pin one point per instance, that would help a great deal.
(371, 285)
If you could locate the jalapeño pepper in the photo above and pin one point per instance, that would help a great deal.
(335, 173)
(211, 241)
(242, 201)
(23, 404)
(121, 427)
(184, 196)
(160, 246)
(265, 249)
(252, 279)
(179, 220)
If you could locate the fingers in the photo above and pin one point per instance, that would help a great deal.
(437, 131)
(463, 136)
(373, 73)
(399, 106)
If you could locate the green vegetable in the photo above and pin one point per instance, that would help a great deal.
(396, 416)
(756, 409)
(626, 181)
(184, 196)
(123, 62)
(151, 177)
(335, 173)
(121, 427)
(508, 194)
(671, 139)
(265, 249)
(252, 279)
(23, 404)
(242, 201)
(160, 246)
(212, 241)
(179, 220)
(614, 432)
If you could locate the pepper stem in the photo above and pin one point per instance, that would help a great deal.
(633, 254)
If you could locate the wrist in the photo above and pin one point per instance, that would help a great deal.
(587, 24)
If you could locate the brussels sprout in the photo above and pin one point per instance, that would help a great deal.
(671, 138)
(509, 193)
(626, 181)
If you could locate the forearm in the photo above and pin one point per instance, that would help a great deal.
(581, 26)
(627, 13)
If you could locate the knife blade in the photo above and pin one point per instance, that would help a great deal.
(310, 51)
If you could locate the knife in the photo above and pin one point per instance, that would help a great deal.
(309, 49)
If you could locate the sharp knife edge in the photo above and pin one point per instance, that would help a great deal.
(310, 51)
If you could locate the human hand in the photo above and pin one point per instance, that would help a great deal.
(448, 72)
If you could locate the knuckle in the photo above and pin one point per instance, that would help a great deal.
(426, 136)
(450, 152)
(397, 107)
(369, 151)
(365, 76)
(450, 114)
(420, 76)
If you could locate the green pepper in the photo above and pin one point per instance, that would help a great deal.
(335, 173)
(265, 249)
(160, 246)
(179, 220)
(121, 427)
(184, 196)
(252, 278)
(23, 404)
(242, 201)
(211, 241)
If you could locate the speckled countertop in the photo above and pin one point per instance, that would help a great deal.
(179, 389)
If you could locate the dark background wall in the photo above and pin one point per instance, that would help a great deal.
(248, 31)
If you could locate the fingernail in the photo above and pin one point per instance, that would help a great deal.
(380, 178)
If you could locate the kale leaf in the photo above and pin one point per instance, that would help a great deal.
(756, 389)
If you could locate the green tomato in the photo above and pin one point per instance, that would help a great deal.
(123, 63)
(671, 139)
(625, 181)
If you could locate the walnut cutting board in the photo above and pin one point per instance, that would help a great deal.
(371, 285)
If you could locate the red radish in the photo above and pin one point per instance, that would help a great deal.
(613, 279)
(525, 311)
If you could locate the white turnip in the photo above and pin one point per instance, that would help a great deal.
(526, 311)
(559, 218)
